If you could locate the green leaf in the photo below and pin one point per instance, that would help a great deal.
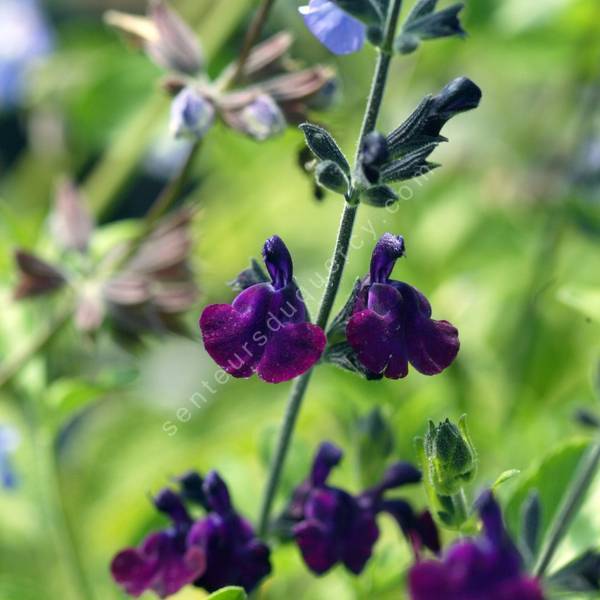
(504, 477)
(228, 593)
(550, 478)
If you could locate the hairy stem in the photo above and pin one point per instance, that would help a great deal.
(338, 262)
(580, 484)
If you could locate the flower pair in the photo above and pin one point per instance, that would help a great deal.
(218, 550)
(332, 526)
(387, 323)
(273, 91)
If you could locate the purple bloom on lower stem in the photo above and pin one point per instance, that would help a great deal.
(488, 566)
(334, 526)
(338, 31)
(164, 562)
(265, 329)
(234, 556)
(391, 324)
(219, 550)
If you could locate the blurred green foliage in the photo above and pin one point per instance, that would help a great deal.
(499, 239)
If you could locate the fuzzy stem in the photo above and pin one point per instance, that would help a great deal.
(338, 262)
(580, 484)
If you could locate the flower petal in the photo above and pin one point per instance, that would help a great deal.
(328, 456)
(291, 350)
(234, 335)
(431, 345)
(359, 542)
(339, 32)
(316, 545)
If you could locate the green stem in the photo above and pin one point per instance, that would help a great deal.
(52, 503)
(579, 486)
(338, 262)
(38, 342)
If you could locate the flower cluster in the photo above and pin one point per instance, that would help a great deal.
(218, 550)
(273, 90)
(140, 289)
(333, 526)
(488, 566)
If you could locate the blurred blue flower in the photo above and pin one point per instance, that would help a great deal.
(488, 566)
(9, 441)
(338, 31)
(332, 525)
(262, 118)
(24, 37)
(192, 114)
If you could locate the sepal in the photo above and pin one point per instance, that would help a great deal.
(413, 164)
(424, 23)
(324, 147)
(330, 176)
(342, 355)
(248, 277)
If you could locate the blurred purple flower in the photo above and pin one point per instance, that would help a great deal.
(333, 526)
(24, 37)
(488, 566)
(9, 441)
(262, 118)
(391, 322)
(338, 31)
(192, 114)
(234, 555)
(164, 562)
(266, 327)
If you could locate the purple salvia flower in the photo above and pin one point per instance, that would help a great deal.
(9, 442)
(265, 329)
(391, 324)
(192, 114)
(488, 566)
(334, 526)
(338, 31)
(164, 562)
(234, 555)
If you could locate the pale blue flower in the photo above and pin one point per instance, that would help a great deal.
(338, 31)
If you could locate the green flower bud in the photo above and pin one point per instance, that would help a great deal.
(451, 457)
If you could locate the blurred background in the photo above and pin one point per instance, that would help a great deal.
(503, 239)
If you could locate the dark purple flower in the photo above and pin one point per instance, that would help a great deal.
(164, 562)
(391, 323)
(266, 327)
(333, 526)
(488, 566)
(234, 556)
(338, 31)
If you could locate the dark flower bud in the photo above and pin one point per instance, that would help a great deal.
(451, 457)
(192, 488)
(460, 95)
(169, 503)
(374, 152)
(216, 493)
